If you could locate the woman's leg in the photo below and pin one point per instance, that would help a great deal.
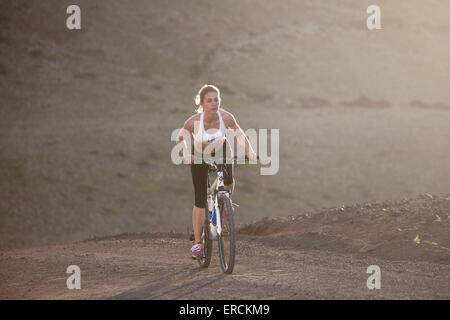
(200, 179)
(198, 219)
(230, 187)
(228, 180)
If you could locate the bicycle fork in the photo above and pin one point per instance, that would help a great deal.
(216, 191)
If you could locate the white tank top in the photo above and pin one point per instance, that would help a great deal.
(207, 138)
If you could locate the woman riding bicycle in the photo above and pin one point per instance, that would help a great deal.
(208, 127)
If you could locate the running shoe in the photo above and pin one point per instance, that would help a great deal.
(197, 251)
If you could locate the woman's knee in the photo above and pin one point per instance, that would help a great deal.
(200, 202)
(200, 197)
(230, 184)
(230, 187)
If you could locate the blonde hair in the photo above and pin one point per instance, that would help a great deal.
(202, 93)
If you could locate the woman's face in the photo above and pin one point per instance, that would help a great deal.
(211, 102)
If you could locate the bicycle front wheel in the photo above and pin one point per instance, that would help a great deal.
(227, 238)
(206, 243)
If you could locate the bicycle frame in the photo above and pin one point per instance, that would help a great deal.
(216, 191)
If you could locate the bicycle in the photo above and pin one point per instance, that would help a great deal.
(219, 220)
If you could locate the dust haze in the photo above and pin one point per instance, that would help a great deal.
(86, 115)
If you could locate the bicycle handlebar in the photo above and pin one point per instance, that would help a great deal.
(210, 159)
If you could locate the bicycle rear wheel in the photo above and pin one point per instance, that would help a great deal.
(226, 240)
(206, 243)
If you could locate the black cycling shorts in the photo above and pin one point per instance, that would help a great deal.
(200, 177)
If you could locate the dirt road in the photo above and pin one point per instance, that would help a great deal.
(286, 260)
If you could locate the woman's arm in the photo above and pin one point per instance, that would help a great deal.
(231, 123)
